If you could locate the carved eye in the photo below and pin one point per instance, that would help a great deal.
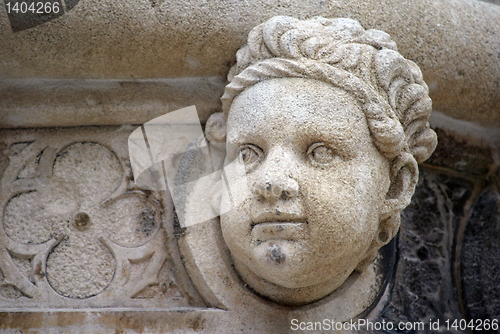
(249, 154)
(320, 153)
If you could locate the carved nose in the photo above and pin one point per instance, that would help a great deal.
(272, 188)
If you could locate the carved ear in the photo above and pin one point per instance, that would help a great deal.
(215, 129)
(215, 133)
(404, 177)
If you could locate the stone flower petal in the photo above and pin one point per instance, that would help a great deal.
(74, 200)
(80, 266)
(92, 167)
(130, 220)
(36, 216)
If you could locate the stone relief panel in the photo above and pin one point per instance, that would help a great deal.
(75, 231)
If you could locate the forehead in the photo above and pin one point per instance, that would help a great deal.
(295, 106)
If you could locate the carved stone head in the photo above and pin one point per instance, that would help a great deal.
(329, 122)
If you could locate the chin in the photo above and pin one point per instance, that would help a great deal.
(284, 263)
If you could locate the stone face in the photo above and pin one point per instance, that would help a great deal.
(306, 225)
(317, 159)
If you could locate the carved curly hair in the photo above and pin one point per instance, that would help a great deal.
(365, 63)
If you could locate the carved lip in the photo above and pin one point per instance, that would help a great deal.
(279, 227)
(279, 231)
(278, 217)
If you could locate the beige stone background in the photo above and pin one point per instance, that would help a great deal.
(135, 49)
(78, 85)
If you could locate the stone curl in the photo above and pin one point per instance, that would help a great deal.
(365, 63)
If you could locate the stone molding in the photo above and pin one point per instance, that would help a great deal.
(34, 103)
(454, 42)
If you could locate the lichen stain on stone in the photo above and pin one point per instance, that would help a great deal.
(197, 323)
(153, 322)
(39, 271)
(147, 221)
(274, 254)
(34, 320)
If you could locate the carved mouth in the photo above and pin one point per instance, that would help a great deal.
(279, 230)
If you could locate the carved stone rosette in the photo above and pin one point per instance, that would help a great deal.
(74, 230)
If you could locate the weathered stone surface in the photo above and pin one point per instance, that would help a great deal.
(463, 154)
(423, 286)
(112, 321)
(480, 258)
(49, 103)
(496, 2)
(454, 42)
(83, 249)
